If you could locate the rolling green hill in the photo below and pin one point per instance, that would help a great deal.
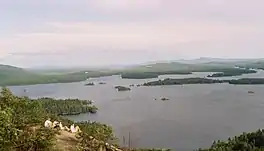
(10, 75)
(154, 70)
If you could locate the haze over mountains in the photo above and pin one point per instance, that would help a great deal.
(11, 75)
(122, 66)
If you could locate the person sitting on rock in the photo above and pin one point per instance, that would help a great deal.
(61, 127)
(75, 129)
(78, 130)
(72, 128)
(55, 124)
(67, 128)
(48, 123)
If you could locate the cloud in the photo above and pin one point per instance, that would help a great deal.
(69, 29)
(126, 5)
(92, 36)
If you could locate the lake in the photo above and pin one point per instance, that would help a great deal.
(193, 117)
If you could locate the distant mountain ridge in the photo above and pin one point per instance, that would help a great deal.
(3, 66)
(10, 75)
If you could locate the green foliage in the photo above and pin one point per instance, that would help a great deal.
(21, 121)
(100, 133)
(97, 130)
(89, 144)
(245, 142)
(8, 131)
(10, 75)
(18, 116)
(36, 139)
(229, 73)
(66, 106)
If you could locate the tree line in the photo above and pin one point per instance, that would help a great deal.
(168, 81)
(67, 106)
(245, 142)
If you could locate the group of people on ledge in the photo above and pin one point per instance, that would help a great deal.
(56, 124)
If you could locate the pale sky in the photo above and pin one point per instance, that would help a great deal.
(105, 32)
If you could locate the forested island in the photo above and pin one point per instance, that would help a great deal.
(230, 73)
(67, 106)
(122, 88)
(89, 84)
(168, 81)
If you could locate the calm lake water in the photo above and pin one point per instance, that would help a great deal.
(194, 116)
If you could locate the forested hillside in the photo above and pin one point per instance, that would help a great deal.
(10, 75)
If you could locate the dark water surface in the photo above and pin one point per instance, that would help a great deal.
(194, 116)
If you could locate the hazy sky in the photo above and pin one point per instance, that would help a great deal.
(101, 32)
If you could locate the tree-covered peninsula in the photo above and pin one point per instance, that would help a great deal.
(67, 106)
(247, 81)
(168, 81)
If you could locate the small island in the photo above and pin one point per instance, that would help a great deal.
(251, 92)
(89, 84)
(122, 88)
(164, 99)
(215, 75)
(101, 83)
